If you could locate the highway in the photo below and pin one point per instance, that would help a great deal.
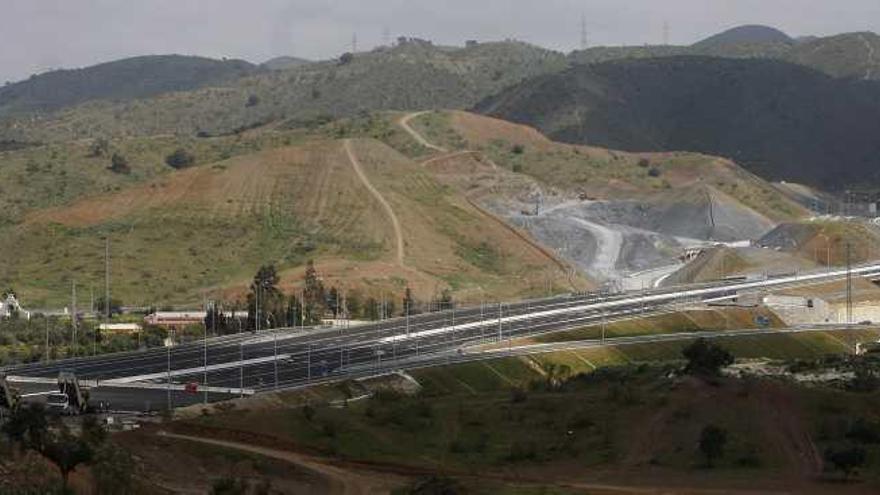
(285, 358)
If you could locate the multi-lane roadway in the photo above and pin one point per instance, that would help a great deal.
(247, 363)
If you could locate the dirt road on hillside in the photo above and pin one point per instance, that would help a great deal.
(339, 481)
(398, 232)
(404, 124)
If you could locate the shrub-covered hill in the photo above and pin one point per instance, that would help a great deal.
(126, 79)
(780, 120)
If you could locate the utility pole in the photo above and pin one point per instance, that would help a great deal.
(354, 43)
(849, 301)
(47, 338)
(275, 345)
(500, 333)
(168, 369)
(107, 277)
(241, 369)
(666, 33)
(73, 316)
(213, 311)
(386, 36)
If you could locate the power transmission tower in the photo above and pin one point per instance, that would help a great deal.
(386, 36)
(354, 43)
(584, 35)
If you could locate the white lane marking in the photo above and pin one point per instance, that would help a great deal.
(192, 371)
(627, 302)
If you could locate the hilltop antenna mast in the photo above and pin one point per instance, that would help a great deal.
(584, 35)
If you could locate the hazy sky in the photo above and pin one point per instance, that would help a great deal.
(36, 35)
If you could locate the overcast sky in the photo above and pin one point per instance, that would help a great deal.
(36, 35)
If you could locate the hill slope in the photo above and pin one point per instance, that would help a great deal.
(608, 212)
(206, 229)
(412, 75)
(779, 120)
(748, 34)
(848, 55)
(126, 79)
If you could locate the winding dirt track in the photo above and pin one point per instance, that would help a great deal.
(404, 123)
(339, 481)
(398, 232)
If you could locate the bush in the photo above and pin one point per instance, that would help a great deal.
(180, 159)
(119, 164)
(706, 358)
(435, 485)
(846, 460)
(346, 58)
(654, 172)
(712, 442)
(518, 149)
(252, 101)
(644, 162)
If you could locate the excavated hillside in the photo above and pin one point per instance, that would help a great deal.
(608, 212)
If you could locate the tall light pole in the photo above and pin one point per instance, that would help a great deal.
(168, 367)
(213, 313)
(47, 338)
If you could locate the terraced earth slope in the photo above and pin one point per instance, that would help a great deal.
(177, 236)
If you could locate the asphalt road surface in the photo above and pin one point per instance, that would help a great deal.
(246, 363)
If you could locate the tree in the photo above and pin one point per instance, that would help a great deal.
(113, 469)
(313, 295)
(333, 302)
(252, 101)
(409, 303)
(119, 164)
(371, 309)
(712, 441)
(67, 451)
(100, 147)
(445, 301)
(216, 320)
(264, 290)
(706, 358)
(294, 312)
(27, 426)
(846, 460)
(180, 159)
(115, 306)
(346, 58)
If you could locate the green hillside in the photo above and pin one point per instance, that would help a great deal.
(848, 55)
(413, 75)
(126, 79)
(779, 120)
